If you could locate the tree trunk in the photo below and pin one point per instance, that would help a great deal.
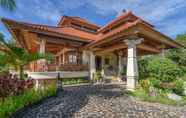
(21, 72)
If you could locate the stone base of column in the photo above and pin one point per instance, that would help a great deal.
(131, 82)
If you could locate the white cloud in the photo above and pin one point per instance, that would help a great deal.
(157, 12)
(152, 10)
(38, 8)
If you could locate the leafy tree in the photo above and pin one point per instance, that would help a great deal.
(163, 69)
(179, 55)
(17, 57)
(181, 38)
(8, 4)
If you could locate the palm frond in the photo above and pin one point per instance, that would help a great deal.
(8, 4)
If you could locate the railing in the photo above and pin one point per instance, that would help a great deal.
(68, 67)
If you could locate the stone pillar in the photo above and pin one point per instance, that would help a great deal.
(132, 66)
(63, 56)
(102, 66)
(60, 59)
(92, 65)
(85, 58)
(120, 66)
(42, 46)
(42, 62)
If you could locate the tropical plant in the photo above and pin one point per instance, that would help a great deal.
(8, 4)
(163, 69)
(97, 75)
(17, 57)
(30, 96)
(11, 85)
(179, 87)
(145, 85)
(179, 55)
(142, 65)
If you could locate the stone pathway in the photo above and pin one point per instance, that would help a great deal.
(98, 101)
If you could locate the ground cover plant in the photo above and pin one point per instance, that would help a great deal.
(14, 103)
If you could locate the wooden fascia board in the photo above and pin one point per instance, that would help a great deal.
(124, 33)
(13, 34)
(37, 30)
(26, 37)
(61, 41)
(112, 48)
(148, 48)
(157, 36)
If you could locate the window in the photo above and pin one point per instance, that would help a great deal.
(72, 58)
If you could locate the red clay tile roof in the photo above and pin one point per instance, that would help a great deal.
(131, 20)
(78, 19)
(124, 16)
(59, 30)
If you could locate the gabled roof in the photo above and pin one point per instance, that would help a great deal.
(76, 19)
(122, 23)
(70, 31)
(127, 16)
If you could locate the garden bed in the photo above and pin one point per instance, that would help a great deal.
(13, 104)
(143, 96)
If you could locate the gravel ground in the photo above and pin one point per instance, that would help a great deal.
(100, 101)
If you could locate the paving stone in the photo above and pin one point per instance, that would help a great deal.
(105, 101)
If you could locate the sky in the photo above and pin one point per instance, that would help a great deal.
(168, 16)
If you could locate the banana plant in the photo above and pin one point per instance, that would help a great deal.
(8, 4)
(18, 57)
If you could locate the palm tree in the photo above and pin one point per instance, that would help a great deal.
(17, 57)
(8, 4)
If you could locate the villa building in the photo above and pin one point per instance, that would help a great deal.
(80, 46)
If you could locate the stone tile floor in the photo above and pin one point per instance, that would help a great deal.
(100, 101)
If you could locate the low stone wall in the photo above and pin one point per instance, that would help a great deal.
(44, 79)
(63, 74)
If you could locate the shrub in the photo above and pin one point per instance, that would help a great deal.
(97, 75)
(145, 85)
(11, 85)
(142, 65)
(154, 82)
(14, 103)
(179, 87)
(163, 69)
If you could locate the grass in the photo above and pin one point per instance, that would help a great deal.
(14, 103)
(142, 95)
(73, 81)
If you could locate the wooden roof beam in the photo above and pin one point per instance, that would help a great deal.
(112, 48)
(148, 48)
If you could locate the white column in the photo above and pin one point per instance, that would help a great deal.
(63, 57)
(42, 49)
(132, 66)
(60, 59)
(92, 65)
(103, 64)
(85, 57)
(42, 46)
(120, 67)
